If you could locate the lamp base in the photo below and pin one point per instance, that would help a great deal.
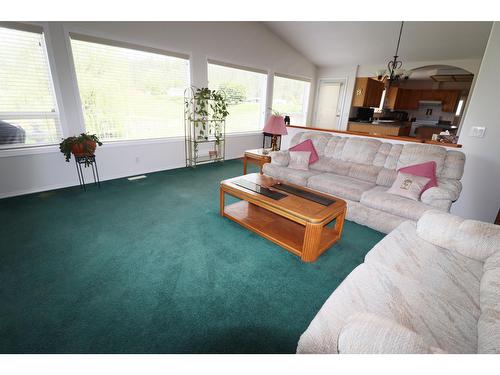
(274, 143)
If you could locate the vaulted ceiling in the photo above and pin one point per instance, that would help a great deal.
(343, 43)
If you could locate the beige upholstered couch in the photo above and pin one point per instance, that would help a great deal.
(429, 287)
(361, 170)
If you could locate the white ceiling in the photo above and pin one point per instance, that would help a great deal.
(345, 43)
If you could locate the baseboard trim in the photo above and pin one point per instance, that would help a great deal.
(42, 189)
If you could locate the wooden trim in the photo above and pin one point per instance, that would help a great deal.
(405, 139)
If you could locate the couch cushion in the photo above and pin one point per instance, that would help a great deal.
(367, 333)
(334, 147)
(299, 160)
(340, 186)
(471, 238)
(446, 272)
(427, 289)
(391, 162)
(453, 165)
(360, 150)
(379, 199)
(375, 289)
(332, 165)
(318, 139)
(488, 328)
(420, 153)
(427, 169)
(307, 145)
(408, 186)
(386, 177)
(295, 176)
(364, 172)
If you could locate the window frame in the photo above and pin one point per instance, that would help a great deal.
(297, 78)
(116, 42)
(54, 87)
(264, 112)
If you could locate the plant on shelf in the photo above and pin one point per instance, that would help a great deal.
(201, 98)
(275, 112)
(219, 109)
(205, 100)
(82, 145)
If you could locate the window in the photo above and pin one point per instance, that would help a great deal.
(128, 93)
(28, 110)
(291, 97)
(246, 92)
(460, 105)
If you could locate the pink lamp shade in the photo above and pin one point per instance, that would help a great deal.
(275, 125)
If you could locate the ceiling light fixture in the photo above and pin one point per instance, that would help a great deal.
(394, 73)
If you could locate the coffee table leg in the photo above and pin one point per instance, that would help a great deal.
(312, 239)
(222, 196)
(339, 222)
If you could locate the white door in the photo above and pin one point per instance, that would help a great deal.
(329, 107)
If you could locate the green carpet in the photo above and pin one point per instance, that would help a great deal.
(149, 267)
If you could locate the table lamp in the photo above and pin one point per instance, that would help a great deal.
(275, 125)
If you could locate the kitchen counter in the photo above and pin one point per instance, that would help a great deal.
(396, 128)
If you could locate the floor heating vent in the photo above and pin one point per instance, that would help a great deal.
(133, 178)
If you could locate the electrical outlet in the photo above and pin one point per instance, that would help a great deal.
(137, 159)
(477, 131)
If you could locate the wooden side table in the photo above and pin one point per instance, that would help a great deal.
(257, 157)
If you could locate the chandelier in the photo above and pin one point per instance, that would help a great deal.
(394, 71)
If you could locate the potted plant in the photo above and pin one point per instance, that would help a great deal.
(82, 145)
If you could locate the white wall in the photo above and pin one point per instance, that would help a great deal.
(480, 198)
(242, 43)
(347, 73)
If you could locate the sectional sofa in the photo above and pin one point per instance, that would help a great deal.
(361, 170)
(427, 287)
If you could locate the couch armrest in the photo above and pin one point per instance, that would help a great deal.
(281, 158)
(443, 195)
(367, 333)
(474, 239)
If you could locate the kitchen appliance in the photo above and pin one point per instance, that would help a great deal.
(364, 114)
(428, 114)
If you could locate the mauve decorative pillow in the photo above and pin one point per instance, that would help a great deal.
(299, 160)
(427, 169)
(408, 186)
(307, 145)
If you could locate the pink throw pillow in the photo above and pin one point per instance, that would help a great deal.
(307, 145)
(427, 169)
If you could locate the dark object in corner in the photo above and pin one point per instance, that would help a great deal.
(11, 134)
(287, 120)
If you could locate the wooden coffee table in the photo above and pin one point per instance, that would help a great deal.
(299, 225)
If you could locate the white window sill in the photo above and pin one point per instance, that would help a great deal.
(8, 152)
(20, 151)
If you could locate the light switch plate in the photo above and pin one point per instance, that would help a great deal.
(477, 131)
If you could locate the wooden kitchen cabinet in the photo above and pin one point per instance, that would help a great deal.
(408, 99)
(402, 99)
(367, 92)
(450, 100)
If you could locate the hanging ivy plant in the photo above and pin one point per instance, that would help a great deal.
(206, 101)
